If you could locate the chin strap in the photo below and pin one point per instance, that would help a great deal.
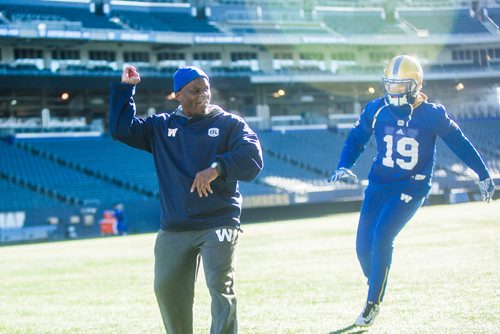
(409, 116)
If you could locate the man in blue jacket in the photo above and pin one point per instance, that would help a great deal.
(200, 153)
(405, 127)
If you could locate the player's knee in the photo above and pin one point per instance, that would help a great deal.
(383, 245)
(221, 284)
(363, 251)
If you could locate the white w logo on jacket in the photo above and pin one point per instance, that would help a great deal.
(172, 132)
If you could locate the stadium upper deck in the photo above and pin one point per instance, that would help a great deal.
(50, 19)
(329, 52)
(325, 55)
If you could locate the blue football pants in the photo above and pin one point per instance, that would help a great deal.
(383, 215)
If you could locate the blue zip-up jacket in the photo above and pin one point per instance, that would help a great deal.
(406, 143)
(182, 147)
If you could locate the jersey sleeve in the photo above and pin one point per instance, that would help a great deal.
(358, 137)
(441, 120)
(459, 144)
(123, 123)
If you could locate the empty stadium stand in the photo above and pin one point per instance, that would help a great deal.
(18, 196)
(174, 21)
(291, 68)
(103, 157)
(65, 182)
(72, 18)
(97, 171)
(127, 173)
(441, 21)
(348, 22)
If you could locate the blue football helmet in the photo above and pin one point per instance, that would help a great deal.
(402, 80)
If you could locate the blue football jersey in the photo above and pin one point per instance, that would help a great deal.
(406, 142)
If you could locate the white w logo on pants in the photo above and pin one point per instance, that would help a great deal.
(224, 233)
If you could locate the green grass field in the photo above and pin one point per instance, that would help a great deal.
(295, 276)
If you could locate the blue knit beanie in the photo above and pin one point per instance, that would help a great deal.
(185, 75)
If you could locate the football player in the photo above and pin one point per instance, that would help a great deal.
(405, 126)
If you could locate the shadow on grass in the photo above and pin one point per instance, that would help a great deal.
(351, 329)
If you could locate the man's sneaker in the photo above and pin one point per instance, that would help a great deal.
(367, 316)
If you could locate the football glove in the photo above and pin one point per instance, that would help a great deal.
(487, 188)
(345, 175)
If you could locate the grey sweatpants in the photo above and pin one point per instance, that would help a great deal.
(177, 256)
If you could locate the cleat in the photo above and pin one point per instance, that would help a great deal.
(367, 316)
